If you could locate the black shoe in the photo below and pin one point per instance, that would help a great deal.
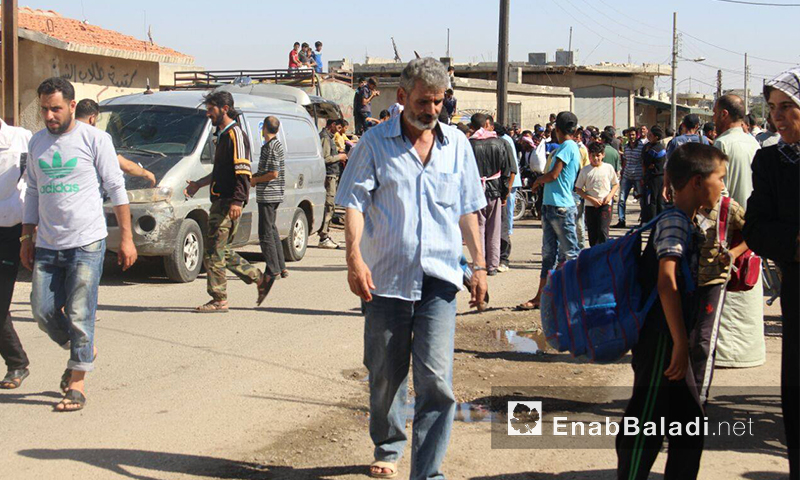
(491, 273)
(619, 225)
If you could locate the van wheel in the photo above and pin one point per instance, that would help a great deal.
(184, 263)
(294, 246)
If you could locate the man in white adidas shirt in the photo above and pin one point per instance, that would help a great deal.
(70, 162)
(13, 154)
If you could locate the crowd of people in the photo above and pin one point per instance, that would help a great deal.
(416, 191)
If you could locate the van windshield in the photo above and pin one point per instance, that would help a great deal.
(155, 137)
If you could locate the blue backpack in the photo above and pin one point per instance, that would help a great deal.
(594, 305)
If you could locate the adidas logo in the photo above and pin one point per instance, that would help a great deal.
(57, 169)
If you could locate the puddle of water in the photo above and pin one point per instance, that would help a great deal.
(522, 341)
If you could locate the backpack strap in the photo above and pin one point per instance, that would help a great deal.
(723, 220)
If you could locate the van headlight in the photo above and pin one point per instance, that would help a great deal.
(150, 195)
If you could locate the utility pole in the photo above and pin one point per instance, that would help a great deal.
(674, 110)
(502, 64)
(719, 84)
(10, 62)
(448, 43)
(569, 49)
(746, 92)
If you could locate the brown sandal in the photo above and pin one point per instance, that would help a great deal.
(72, 402)
(529, 305)
(213, 306)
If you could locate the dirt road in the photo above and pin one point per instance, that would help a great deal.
(280, 392)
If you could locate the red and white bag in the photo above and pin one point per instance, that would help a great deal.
(747, 266)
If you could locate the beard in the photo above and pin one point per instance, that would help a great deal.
(423, 122)
(63, 127)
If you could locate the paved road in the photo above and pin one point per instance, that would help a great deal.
(181, 395)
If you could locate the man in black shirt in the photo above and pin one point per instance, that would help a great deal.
(230, 186)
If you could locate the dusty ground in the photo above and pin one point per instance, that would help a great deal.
(280, 392)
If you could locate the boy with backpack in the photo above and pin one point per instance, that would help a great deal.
(597, 184)
(664, 385)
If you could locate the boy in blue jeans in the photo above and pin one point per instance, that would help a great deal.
(559, 213)
(664, 385)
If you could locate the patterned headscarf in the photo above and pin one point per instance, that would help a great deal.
(787, 82)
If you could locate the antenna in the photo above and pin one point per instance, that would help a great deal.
(150, 34)
(448, 42)
(396, 55)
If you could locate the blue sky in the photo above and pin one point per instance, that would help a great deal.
(250, 34)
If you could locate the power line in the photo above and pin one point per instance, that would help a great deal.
(637, 20)
(630, 27)
(735, 52)
(595, 32)
(761, 4)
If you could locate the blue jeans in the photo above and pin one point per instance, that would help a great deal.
(580, 220)
(395, 332)
(625, 186)
(64, 298)
(559, 237)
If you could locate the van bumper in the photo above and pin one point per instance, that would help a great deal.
(154, 226)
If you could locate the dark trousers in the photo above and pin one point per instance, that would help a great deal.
(655, 201)
(10, 346)
(790, 365)
(270, 239)
(598, 221)
(655, 397)
(703, 340)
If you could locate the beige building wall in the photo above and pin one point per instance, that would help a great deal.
(474, 95)
(93, 76)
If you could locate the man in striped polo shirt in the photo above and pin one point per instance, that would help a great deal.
(632, 174)
(270, 183)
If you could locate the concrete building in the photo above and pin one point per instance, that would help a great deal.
(527, 104)
(604, 94)
(100, 63)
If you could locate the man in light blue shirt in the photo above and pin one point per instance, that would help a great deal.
(558, 207)
(411, 189)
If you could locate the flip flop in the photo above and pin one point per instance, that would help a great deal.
(72, 397)
(392, 467)
(527, 306)
(14, 378)
(212, 307)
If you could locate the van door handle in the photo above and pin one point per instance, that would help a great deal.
(300, 181)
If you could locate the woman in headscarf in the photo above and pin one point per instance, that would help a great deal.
(772, 230)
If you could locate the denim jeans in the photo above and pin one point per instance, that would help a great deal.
(64, 298)
(625, 186)
(580, 220)
(395, 332)
(559, 237)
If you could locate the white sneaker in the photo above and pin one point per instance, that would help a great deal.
(328, 243)
(503, 268)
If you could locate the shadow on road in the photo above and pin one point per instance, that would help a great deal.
(116, 461)
(29, 398)
(587, 475)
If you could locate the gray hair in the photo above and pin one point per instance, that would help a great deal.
(429, 71)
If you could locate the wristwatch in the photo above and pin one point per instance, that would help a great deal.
(25, 237)
(477, 269)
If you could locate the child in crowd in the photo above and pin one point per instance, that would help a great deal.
(715, 264)
(664, 385)
(597, 184)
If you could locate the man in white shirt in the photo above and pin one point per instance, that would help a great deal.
(13, 155)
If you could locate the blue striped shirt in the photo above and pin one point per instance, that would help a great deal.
(411, 211)
(633, 161)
